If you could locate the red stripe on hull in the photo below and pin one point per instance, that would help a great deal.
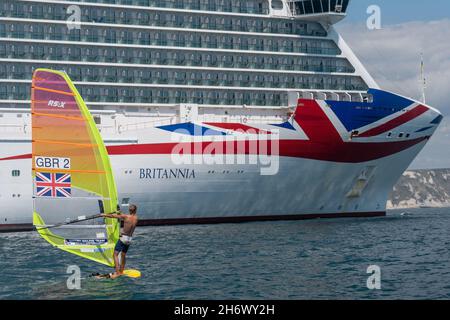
(408, 116)
(237, 127)
(22, 156)
(338, 151)
(344, 152)
(216, 220)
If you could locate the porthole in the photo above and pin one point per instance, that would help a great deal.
(355, 133)
(15, 173)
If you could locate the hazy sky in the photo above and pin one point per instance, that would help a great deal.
(399, 11)
(392, 57)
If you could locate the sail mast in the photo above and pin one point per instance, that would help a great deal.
(423, 80)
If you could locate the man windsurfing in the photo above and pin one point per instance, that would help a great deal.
(129, 224)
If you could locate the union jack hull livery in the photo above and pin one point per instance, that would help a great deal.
(330, 159)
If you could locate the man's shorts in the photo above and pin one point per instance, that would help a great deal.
(121, 247)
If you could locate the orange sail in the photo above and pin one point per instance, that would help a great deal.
(72, 174)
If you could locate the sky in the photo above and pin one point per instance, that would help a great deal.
(392, 56)
(400, 11)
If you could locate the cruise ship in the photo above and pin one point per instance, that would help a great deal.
(212, 110)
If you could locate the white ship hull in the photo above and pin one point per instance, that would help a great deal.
(295, 191)
(303, 186)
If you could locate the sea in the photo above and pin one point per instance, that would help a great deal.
(405, 255)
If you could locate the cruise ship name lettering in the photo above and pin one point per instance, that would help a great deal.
(161, 173)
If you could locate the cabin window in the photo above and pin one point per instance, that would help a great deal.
(97, 119)
(15, 173)
(277, 4)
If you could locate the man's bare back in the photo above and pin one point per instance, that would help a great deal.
(129, 224)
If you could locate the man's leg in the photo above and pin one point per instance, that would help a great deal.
(116, 262)
(122, 262)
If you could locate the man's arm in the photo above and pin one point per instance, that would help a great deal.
(114, 216)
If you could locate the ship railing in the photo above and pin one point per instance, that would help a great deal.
(327, 11)
(14, 128)
(145, 124)
(305, 7)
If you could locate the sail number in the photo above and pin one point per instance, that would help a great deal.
(52, 163)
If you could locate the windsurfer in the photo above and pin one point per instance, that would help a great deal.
(129, 224)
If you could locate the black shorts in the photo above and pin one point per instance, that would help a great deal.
(121, 247)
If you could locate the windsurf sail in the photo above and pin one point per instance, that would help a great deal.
(72, 176)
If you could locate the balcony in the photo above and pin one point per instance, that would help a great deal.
(326, 11)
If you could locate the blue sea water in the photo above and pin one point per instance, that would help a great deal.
(315, 259)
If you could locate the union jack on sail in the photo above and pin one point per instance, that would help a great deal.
(57, 185)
